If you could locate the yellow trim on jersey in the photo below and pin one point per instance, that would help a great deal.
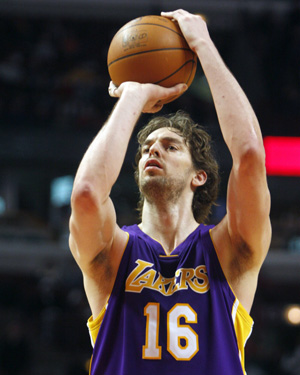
(242, 321)
(94, 324)
(243, 324)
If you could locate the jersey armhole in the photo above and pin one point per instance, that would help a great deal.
(95, 324)
(242, 320)
(243, 325)
(241, 308)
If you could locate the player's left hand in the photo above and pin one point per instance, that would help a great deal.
(193, 27)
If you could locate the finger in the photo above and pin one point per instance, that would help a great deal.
(173, 14)
(170, 92)
(112, 88)
(168, 14)
(177, 89)
(182, 86)
(156, 108)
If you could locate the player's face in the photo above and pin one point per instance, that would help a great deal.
(166, 161)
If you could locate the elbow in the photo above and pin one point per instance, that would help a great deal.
(251, 156)
(84, 197)
(254, 151)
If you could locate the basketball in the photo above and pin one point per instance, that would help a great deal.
(151, 49)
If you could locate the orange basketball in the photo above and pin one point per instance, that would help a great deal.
(151, 49)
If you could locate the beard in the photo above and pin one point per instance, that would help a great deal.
(157, 189)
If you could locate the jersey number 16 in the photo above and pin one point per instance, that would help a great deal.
(182, 340)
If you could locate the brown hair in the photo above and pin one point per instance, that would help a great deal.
(199, 144)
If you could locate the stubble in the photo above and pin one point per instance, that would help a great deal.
(162, 189)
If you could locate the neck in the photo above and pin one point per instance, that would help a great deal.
(169, 224)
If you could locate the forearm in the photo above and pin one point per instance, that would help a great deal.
(237, 119)
(102, 162)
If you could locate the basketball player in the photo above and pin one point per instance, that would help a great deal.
(172, 295)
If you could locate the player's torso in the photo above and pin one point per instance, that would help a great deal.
(168, 313)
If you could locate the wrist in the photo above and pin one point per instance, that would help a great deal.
(133, 92)
(132, 99)
(204, 46)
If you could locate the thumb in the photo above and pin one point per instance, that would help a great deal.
(178, 89)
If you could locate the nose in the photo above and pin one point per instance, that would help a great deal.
(154, 149)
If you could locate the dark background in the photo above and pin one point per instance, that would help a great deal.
(53, 101)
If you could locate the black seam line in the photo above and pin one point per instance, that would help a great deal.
(152, 50)
(152, 24)
(177, 70)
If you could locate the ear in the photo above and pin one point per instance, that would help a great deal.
(198, 179)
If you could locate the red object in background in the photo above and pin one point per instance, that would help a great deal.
(282, 156)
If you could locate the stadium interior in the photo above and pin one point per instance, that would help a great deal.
(53, 101)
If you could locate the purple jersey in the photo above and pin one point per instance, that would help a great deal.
(171, 314)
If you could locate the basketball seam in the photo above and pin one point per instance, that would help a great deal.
(191, 71)
(152, 50)
(177, 70)
(151, 24)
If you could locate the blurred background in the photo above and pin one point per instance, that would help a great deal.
(53, 101)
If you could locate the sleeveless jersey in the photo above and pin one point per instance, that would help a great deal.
(170, 314)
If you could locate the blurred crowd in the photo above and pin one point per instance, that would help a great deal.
(42, 325)
(53, 71)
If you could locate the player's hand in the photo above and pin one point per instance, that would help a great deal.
(148, 94)
(192, 26)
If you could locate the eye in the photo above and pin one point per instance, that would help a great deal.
(172, 148)
(145, 150)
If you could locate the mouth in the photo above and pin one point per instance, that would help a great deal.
(152, 163)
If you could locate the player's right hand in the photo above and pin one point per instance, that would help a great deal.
(149, 95)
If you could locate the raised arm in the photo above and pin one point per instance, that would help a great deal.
(243, 237)
(96, 241)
